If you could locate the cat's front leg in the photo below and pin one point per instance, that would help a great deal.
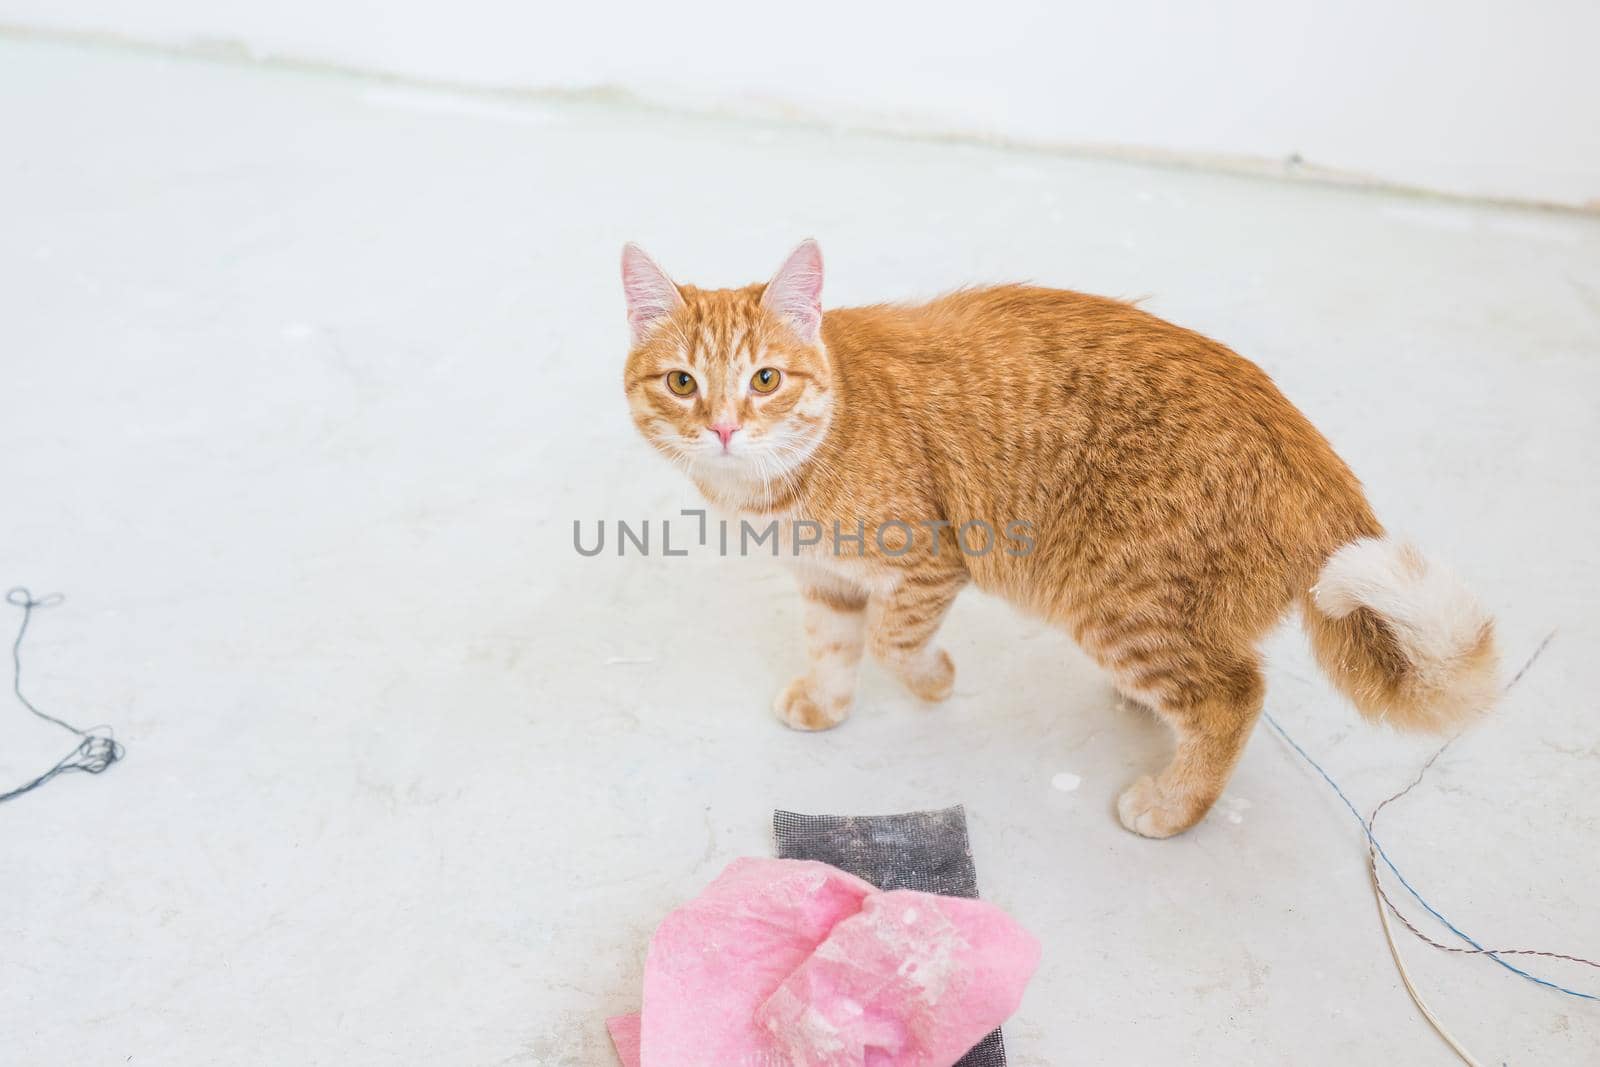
(835, 625)
(902, 637)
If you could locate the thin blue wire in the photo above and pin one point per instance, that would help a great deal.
(1366, 828)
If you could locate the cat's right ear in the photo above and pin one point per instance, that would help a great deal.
(651, 294)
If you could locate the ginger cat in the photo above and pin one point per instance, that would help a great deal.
(1176, 505)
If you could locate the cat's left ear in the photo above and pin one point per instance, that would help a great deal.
(795, 293)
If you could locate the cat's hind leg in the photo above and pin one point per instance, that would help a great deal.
(1211, 702)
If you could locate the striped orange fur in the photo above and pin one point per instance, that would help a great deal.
(1178, 505)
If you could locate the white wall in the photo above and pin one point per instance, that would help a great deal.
(1493, 98)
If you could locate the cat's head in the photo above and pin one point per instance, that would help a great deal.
(732, 384)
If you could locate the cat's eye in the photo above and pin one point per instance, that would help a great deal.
(681, 383)
(765, 380)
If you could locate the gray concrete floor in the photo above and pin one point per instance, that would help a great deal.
(307, 378)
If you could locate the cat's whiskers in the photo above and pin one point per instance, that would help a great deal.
(677, 456)
(779, 472)
(803, 454)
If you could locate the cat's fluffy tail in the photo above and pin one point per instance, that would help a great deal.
(1402, 637)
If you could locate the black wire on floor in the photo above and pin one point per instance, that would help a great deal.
(97, 748)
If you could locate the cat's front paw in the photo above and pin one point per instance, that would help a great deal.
(800, 708)
(930, 677)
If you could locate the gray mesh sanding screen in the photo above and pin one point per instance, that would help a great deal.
(922, 850)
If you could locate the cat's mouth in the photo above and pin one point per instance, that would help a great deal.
(744, 468)
(728, 462)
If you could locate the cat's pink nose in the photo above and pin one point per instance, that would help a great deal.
(725, 432)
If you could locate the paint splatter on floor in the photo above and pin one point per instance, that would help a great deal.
(1233, 809)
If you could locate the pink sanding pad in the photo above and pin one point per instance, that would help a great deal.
(624, 1030)
(790, 963)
